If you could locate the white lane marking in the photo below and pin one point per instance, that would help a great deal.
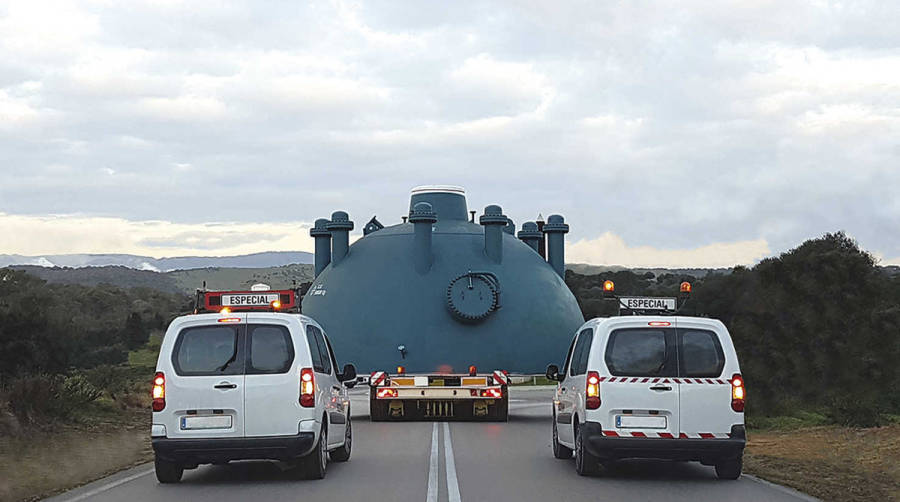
(450, 464)
(783, 489)
(433, 466)
(108, 486)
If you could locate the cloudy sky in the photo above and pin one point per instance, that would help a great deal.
(668, 133)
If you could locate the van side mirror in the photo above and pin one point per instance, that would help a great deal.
(553, 373)
(349, 373)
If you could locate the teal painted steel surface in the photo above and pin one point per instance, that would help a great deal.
(384, 293)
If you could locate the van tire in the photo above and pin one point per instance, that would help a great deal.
(729, 468)
(167, 472)
(585, 463)
(559, 451)
(313, 464)
(342, 454)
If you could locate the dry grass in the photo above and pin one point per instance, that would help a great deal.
(830, 462)
(43, 463)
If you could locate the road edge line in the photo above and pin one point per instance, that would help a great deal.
(783, 489)
(108, 486)
(450, 465)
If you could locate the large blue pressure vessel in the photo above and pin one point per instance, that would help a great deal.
(440, 292)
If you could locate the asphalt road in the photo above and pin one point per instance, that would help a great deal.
(441, 462)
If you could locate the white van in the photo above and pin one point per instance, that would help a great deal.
(249, 385)
(649, 386)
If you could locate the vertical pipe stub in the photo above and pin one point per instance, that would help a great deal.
(494, 221)
(510, 227)
(340, 227)
(422, 216)
(556, 229)
(531, 235)
(322, 237)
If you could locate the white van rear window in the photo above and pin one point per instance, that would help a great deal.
(208, 350)
(701, 353)
(637, 352)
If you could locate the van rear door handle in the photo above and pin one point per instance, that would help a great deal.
(661, 387)
(224, 385)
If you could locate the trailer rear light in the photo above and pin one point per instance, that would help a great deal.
(592, 390)
(159, 391)
(492, 392)
(401, 370)
(738, 393)
(386, 392)
(307, 388)
(473, 370)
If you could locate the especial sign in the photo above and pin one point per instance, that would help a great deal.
(647, 303)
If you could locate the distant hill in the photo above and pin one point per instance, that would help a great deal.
(177, 281)
(123, 277)
(587, 269)
(255, 260)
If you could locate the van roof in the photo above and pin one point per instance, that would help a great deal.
(214, 317)
(631, 320)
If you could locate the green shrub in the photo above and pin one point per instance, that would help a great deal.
(856, 410)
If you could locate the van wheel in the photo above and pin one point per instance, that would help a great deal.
(167, 472)
(312, 466)
(730, 468)
(342, 454)
(585, 463)
(559, 451)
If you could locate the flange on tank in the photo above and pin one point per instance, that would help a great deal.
(449, 291)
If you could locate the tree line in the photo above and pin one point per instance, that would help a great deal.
(816, 328)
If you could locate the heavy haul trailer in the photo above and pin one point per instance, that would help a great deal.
(440, 396)
(437, 293)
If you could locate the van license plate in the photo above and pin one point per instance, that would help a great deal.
(639, 422)
(206, 422)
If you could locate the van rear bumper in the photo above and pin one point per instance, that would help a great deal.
(707, 451)
(210, 450)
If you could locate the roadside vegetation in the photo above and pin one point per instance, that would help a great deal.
(816, 330)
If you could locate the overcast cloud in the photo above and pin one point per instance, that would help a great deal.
(668, 133)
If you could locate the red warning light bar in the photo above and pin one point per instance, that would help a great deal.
(245, 301)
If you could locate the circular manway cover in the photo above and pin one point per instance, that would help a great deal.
(471, 297)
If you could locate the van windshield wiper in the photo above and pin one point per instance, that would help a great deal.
(230, 360)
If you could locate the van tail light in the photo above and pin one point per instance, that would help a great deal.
(738, 393)
(307, 388)
(159, 391)
(592, 391)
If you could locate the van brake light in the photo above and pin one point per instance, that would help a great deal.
(592, 390)
(738, 393)
(307, 388)
(159, 391)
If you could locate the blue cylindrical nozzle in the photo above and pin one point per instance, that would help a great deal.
(340, 227)
(422, 217)
(322, 236)
(494, 221)
(531, 235)
(556, 230)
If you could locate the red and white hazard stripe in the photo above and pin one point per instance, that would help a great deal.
(704, 381)
(668, 435)
(376, 378)
(500, 378)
